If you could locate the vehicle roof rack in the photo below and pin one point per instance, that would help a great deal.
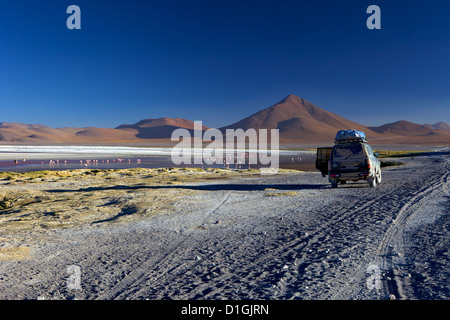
(350, 140)
(350, 135)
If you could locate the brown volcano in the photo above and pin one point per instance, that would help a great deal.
(299, 121)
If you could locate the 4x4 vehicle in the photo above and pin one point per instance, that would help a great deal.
(349, 160)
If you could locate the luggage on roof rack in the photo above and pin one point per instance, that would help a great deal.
(345, 136)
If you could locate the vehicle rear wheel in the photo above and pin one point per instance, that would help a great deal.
(334, 183)
(372, 182)
(379, 177)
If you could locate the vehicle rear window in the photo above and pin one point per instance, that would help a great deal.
(348, 152)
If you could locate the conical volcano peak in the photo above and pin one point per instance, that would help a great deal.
(293, 98)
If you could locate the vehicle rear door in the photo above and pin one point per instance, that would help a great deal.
(348, 158)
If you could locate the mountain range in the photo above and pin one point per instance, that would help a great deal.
(299, 122)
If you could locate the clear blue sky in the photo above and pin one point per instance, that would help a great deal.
(222, 60)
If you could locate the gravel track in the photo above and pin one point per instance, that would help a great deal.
(287, 236)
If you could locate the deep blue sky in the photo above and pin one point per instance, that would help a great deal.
(221, 60)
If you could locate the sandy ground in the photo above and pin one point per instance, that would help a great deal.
(224, 234)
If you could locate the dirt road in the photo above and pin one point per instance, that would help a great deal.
(288, 236)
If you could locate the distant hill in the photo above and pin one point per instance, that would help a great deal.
(405, 132)
(153, 131)
(403, 128)
(438, 126)
(146, 131)
(40, 134)
(160, 128)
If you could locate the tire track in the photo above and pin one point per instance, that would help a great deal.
(388, 250)
(284, 249)
(140, 274)
(336, 225)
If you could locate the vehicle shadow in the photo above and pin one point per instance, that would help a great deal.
(203, 187)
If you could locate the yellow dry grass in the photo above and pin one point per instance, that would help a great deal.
(48, 199)
(18, 253)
